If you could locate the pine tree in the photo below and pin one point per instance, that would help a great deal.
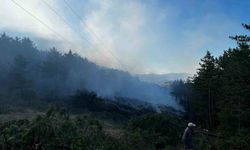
(205, 86)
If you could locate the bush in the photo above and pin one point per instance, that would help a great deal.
(160, 130)
(56, 131)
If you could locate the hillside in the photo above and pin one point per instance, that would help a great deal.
(49, 73)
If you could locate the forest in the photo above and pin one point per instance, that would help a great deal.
(67, 110)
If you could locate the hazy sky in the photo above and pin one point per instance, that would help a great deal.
(139, 36)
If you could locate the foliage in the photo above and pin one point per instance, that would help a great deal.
(158, 130)
(56, 130)
(111, 110)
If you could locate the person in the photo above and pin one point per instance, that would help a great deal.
(187, 136)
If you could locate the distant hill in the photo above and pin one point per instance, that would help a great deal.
(162, 79)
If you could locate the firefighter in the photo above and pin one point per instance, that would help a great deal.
(187, 136)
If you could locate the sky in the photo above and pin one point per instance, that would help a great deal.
(138, 36)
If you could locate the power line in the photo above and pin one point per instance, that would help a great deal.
(65, 21)
(43, 23)
(79, 17)
(90, 31)
(74, 12)
(51, 29)
(40, 21)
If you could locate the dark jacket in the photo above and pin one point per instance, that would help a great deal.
(187, 137)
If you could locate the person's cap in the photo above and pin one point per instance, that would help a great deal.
(190, 124)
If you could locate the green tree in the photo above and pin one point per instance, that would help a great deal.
(206, 89)
(235, 106)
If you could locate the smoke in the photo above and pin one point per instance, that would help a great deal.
(53, 74)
